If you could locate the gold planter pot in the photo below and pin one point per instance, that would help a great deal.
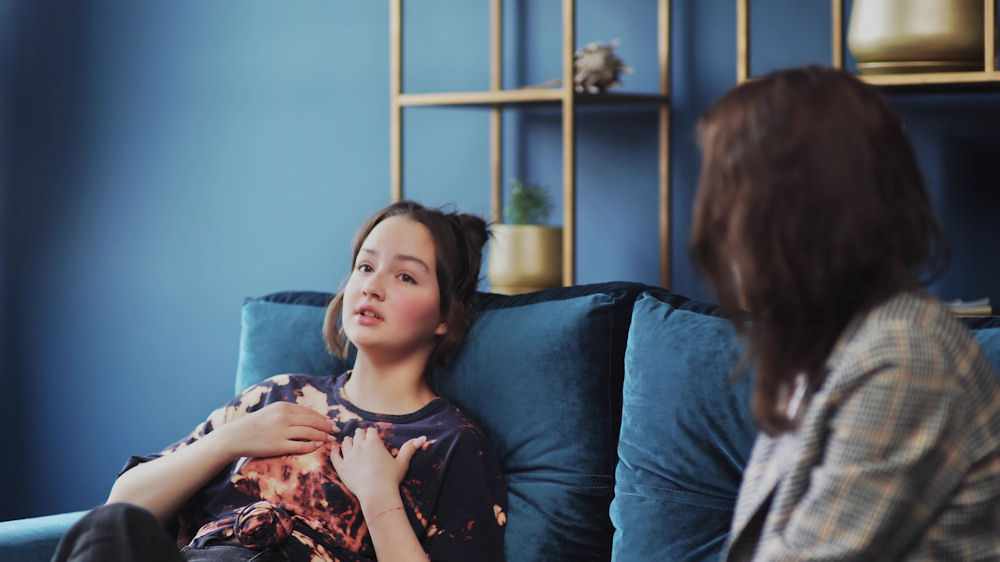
(524, 258)
(901, 36)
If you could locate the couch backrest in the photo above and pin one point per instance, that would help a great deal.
(553, 377)
(687, 431)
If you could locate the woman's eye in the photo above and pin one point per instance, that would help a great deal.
(365, 268)
(407, 278)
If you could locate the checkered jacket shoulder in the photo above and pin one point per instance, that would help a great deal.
(896, 456)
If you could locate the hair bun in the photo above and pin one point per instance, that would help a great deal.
(475, 229)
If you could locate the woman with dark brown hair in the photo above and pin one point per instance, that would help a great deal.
(880, 416)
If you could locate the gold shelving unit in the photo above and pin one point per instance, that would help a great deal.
(988, 77)
(496, 98)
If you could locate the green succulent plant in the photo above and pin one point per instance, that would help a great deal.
(528, 204)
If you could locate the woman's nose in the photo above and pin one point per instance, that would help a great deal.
(372, 287)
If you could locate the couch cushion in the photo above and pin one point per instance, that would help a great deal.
(35, 539)
(987, 333)
(989, 341)
(686, 432)
(283, 333)
(542, 375)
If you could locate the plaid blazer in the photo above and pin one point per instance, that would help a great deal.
(896, 455)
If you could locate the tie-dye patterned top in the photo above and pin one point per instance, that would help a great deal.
(453, 493)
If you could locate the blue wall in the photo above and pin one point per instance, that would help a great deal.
(163, 161)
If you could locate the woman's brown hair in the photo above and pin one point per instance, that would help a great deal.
(458, 250)
(810, 208)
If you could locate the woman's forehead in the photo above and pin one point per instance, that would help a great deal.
(400, 236)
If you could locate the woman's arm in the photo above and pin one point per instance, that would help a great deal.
(162, 485)
(373, 475)
(893, 457)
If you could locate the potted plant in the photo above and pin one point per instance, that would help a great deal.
(525, 255)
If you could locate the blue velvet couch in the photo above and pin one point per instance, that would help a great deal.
(611, 407)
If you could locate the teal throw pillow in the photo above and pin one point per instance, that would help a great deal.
(989, 341)
(283, 333)
(686, 432)
(542, 374)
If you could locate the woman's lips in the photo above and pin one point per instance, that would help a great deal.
(368, 317)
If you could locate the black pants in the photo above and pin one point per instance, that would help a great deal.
(124, 532)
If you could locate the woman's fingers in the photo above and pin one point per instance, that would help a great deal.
(298, 447)
(297, 414)
(336, 458)
(316, 420)
(302, 433)
(408, 449)
(304, 423)
(367, 439)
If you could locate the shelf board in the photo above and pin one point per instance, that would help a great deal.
(935, 80)
(622, 99)
(525, 96)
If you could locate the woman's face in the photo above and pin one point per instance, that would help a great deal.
(392, 303)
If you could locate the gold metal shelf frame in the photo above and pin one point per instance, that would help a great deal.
(496, 98)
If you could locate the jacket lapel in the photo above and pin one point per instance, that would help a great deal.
(769, 463)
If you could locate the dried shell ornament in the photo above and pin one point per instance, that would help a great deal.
(597, 68)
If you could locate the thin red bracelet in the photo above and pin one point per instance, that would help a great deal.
(383, 513)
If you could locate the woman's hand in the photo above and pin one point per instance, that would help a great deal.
(281, 428)
(163, 484)
(369, 471)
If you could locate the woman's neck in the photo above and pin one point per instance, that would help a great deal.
(388, 389)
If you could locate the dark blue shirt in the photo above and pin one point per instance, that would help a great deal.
(453, 493)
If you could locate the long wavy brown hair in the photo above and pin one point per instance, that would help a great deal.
(458, 251)
(810, 209)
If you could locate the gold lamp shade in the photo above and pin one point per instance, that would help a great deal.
(524, 258)
(901, 36)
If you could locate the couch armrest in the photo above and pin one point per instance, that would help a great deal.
(35, 538)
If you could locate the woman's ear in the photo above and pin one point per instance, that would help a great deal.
(455, 314)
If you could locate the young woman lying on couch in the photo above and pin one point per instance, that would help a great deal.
(368, 464)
